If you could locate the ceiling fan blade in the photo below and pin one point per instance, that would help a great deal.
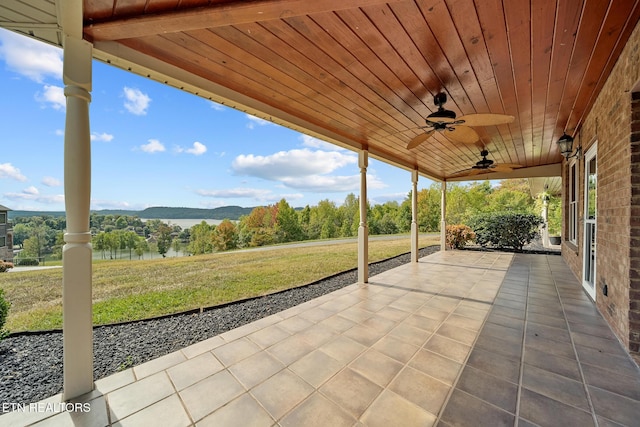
(466, 172)
(502, 168)
(486, 119)
(419, 139)
(463, 134)
(506, 167)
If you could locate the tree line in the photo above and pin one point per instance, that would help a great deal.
(279, 222)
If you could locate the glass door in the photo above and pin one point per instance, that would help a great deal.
(590, 213)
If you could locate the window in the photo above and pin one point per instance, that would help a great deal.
(3, 218)
(573, 202)
(3, 241)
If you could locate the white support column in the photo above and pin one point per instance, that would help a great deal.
(76, 258)
(363, 230)
(545, 228)
(414, 216)
(443, 216)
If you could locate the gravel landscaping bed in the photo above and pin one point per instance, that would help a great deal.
(31, 364)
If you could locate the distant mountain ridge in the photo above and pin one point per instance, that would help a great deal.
(156, 212)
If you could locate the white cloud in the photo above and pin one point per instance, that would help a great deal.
(53, 95)
(332, 184)
(240, 193)
(31, 190)
(257, 194)
(7, 170)
(304, 170)
(136, 102)
(256, 121)
(105, 137)
(291, 164)
(310, 141)
(197, 149)
(32, 194)
(216, 106)
(29, 57)
(153, 146)
(50, 181)
(59, 132)
(292, 196)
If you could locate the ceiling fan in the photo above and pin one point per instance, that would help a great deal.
(456, 130)
(486, 166)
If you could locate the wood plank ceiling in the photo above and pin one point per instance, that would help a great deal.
(364, 73)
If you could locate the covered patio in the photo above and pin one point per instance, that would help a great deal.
(459, 338)
(364, 75)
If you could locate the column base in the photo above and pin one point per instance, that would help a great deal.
(363, 254)
(414, 242)
(77, 320)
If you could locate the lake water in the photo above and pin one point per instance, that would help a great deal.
(187, 223)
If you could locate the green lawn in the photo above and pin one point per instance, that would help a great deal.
(132, 290)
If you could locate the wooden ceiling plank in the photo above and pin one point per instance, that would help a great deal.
(591, 21)
(262, 45)
(443, 77)
(634, 17)
(97, 9)
(129, 7)
(566, 26)
(439, 21)
(357, 59)
(466, 21)
(368, 101)
(406, 59)
(441, 24)
(215, 15)
(606, 52)
(254, 66)
(197, 57)
(157, 6)
(491, 17)
(518, 18)
(542, 30)
(365, 43)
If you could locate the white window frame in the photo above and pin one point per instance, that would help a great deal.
(572, 234)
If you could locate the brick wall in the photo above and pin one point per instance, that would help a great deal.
(634, 223)
(609, 124)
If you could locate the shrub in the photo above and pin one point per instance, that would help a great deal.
(5, 266)
(458, 235)
(4, 311)
(506, 229)
(27, 262)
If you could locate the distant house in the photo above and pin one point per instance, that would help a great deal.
(6, 235)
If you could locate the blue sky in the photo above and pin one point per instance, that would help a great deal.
(153, 145)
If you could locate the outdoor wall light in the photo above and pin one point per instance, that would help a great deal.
(565, 143)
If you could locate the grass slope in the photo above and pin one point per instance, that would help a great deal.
(132, 290)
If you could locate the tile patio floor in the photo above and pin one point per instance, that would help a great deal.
(459, 339)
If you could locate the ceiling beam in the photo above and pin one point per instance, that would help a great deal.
(218, 15)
